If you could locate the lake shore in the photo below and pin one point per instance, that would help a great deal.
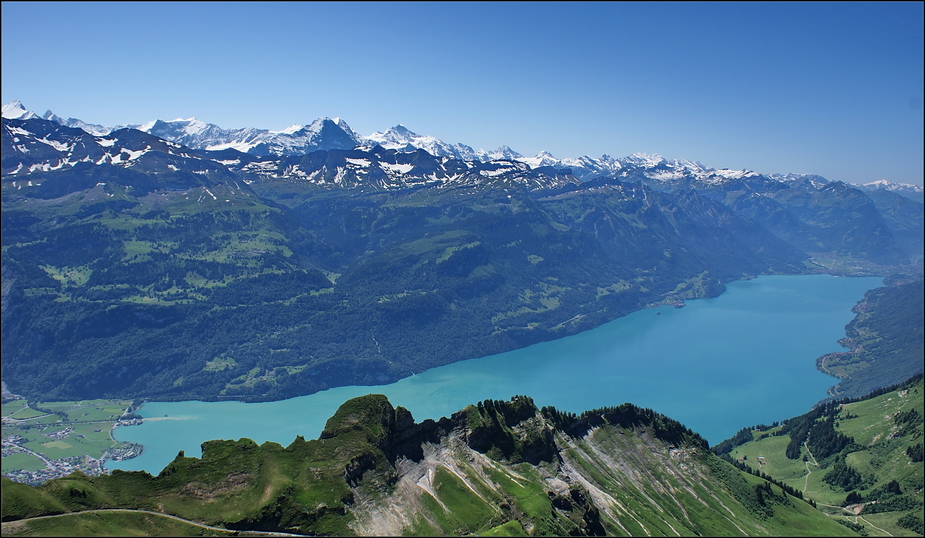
(715, 365)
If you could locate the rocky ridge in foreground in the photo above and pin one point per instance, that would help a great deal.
(495, 468)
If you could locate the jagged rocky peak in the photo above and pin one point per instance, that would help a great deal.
(179, 128)
(503, 152)
(401, 131)
(14, 110)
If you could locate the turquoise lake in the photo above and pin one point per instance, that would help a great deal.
(717, 365)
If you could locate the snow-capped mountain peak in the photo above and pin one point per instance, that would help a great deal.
(503, 152)
(543, 158)
(401, 138)
(913, 192)
(648, 160)
(791, 179)
(890, 186)
(178, 128)
(694, 166)
(393, 136)
(51, 116)
(402, 131)
(14, 110)
(314, 127)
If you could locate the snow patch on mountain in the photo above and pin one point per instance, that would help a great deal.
(400, 169)
(289, 130)
(55, 144)
(725, 173)
(364, 163)
(805, 181)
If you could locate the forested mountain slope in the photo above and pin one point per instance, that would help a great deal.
(885, 340)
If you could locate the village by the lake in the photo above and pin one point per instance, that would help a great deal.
(41, 441)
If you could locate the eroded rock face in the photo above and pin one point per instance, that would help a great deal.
(236, 481)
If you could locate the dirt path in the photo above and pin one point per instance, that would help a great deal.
(808, 470)
(872, 525)
(8, 526)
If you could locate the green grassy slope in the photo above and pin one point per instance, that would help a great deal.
(109, 523)
(874, 480)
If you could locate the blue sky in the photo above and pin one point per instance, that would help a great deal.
(830, 88)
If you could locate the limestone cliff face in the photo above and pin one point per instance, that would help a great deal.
(507, 466)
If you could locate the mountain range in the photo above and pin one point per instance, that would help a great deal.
(328, 133)
(129, 252)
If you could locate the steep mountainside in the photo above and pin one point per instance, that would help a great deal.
(498, 468)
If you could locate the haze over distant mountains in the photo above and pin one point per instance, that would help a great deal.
(335, 133)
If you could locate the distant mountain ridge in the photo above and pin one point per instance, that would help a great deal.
(327, 133)
(787, 204)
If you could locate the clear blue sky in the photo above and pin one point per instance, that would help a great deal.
(828, 88)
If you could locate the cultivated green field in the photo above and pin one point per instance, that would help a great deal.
(20, 410)
(22, 461)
